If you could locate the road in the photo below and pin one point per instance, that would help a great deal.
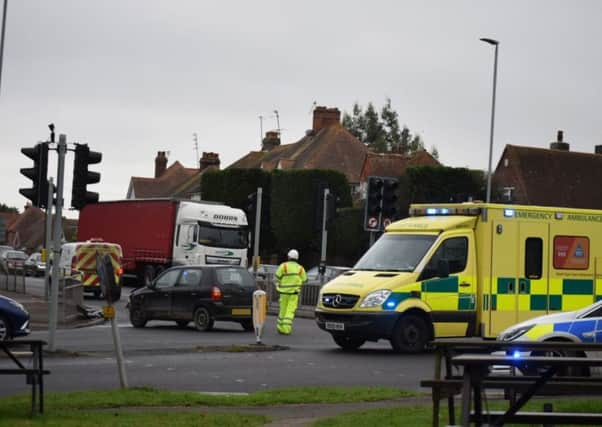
(164, 356)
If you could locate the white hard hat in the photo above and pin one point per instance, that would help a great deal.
(293, 254)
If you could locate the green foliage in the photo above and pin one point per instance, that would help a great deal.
(8, 209)
(293, 207)
(381, 133)
(347, 240)
(440, 184)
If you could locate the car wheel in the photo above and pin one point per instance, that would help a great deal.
(137, 318)
(4, 329)
(411, 334)
(247, 325)
(182, 323)
(347, 342)
(202, 319)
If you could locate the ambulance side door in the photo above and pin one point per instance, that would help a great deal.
(451, 294)
(532, 281)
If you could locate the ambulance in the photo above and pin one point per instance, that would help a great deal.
(462, 270)
(78, 264)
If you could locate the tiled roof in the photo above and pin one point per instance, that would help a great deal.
(27, 231)
(394, 165)
(166, 185)
(550, 177)
(333, 147)
(193, 185)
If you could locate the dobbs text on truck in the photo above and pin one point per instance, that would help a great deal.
(156, 234)
(469, 269)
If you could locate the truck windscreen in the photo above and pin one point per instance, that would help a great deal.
(222, 237)
(396, 252)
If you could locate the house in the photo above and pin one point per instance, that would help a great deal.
(173, 181)
(549, 177)
(6, 219)
(327, 145)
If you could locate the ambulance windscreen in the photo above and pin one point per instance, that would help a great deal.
(396, 252)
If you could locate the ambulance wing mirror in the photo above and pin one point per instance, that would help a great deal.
(443, 268)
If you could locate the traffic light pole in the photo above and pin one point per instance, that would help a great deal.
(324, 236)
(56, 245)
(257, 231)
(47, 241)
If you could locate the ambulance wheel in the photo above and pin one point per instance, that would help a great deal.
(137, 318)
(411, 334)
(347, 342)
(202, 319)
(247, 325)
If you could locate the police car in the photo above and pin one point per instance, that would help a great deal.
(580, 326)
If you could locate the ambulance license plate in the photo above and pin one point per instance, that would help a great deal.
(335, 326)
(241, 311)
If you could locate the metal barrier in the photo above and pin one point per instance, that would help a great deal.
(12, 282)
(308, 298)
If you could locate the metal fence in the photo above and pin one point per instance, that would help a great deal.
(309, 292)
(12, 282)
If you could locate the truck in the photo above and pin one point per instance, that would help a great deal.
(155, 234)
(462, 270)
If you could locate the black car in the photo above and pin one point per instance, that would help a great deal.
(202, 294)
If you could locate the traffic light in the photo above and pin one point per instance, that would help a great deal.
(251, 208)
(390, 198)
(374, 203)
(38, 193)
(80, 196)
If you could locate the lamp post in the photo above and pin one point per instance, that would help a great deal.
(2, 37)
(496, 44)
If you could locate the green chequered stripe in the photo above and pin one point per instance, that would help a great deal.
(598, 298)
(448, 284)
(503, 285)
(466, 302)
(577, 287)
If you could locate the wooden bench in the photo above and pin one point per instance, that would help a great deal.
(34, 375)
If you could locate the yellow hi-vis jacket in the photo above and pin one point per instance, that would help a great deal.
(290, 276)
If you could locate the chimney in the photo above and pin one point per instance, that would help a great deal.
(559, 144)
(209, 159)
(598, 149)
(271, 140)
(160, 163)
(324, 117)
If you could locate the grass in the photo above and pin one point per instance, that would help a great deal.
(92, 408)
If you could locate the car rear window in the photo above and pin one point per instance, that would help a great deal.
(234, 276)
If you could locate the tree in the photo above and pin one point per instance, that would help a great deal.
(381, 133)
(8, 209)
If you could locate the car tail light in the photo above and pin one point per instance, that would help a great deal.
(216, 293)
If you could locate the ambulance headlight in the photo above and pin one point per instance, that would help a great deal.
(514, 333)
(376, 298)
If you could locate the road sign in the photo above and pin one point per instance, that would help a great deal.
(373, 222)
(386, 222)
(108, 311)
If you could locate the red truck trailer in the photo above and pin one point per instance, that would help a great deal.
(155, 234)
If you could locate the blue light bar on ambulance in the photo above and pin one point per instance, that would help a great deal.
(433, 211)
(508, 213)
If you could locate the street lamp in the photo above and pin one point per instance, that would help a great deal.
(496, 44)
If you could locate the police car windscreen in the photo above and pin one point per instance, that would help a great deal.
(222, 237)
(395, 253)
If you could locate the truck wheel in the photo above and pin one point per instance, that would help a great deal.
(202, 319)
(411, 334)
(148, 274)
(4, 329)
(347, 342)
(137, 318)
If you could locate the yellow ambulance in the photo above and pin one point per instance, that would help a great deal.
(468, 269)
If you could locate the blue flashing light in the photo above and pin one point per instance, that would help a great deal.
(508, 213)
(431, 211)
(444, 211)
(391, 304)
(516, 354)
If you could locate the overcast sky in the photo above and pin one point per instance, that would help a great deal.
(132, 77)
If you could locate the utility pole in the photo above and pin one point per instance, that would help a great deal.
(278, 123)
(195, 138)
(322, 268)
(56, 246)
(2, 38)
(260, 130)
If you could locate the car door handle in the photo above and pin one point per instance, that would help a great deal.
(464, 285)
